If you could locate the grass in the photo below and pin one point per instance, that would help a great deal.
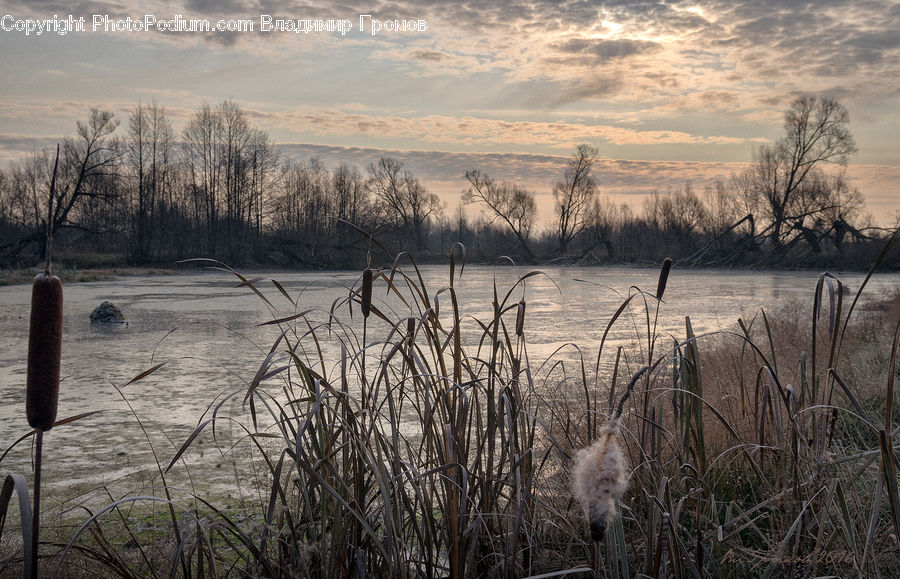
(74, 274)
(428, 443)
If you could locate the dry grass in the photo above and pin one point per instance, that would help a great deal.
(74, 275)
(429, 447)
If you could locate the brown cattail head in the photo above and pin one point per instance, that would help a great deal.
(411, 327)
(663, 277)
(44, 351)
(520, 319)
(600, 479)
(366, 293)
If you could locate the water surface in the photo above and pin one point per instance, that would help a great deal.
(207, 332)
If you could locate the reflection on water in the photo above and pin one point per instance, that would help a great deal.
(207, 332)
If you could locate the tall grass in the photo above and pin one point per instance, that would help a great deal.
(409, 454)
(400, 436)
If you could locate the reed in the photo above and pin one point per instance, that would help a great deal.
(366, 292)
(41, 396)
(44, 351)
(663, 277)
(425, 441)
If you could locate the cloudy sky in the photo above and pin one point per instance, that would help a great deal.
(669, 91)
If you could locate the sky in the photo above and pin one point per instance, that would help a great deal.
(670, 92)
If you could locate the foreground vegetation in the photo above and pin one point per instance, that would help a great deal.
(430, 444)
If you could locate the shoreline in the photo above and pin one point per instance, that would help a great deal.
(77, 275)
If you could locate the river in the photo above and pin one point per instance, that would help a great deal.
(207, 332)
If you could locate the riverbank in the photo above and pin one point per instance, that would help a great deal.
(720, 486)
(70, 274)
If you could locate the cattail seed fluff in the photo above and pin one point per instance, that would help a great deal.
(366, 297)
(600, 480)
(520, 318)
(663, 277)
(44, 351)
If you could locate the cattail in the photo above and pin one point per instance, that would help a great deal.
(663, 277)
(411, 327)
(44, 350)
(520, 318)
(366, 292)
(600, 479)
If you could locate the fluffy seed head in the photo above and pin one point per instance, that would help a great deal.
(366, 297)
(44, 351)
(600, 480)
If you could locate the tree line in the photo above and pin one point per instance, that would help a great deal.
(145, 193)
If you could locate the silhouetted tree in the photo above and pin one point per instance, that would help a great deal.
(200, 143)
(149, 157)
(350, 197)
(572, 195)
(786, 179)
(405, 199)
(506, 201)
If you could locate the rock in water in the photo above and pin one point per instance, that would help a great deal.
(107, 313)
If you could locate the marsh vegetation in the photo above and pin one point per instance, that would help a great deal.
(408, 433)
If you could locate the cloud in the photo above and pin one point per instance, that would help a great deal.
(65, 109)
(596, 51)
(475, 131)
(879, 185)
(429, 55)
(15, 147)
(538, 172)
(46, 8)
(220, 6)
(69, 112)
(812, 43)
(555, 94)
(523, 75)
(766, 47)
(444, 171)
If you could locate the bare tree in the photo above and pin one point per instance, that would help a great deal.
(351, 200)
(87, 166)
(6, 195)
(678, 213)
(305, 200)
(600, 224)
(572, 195)
(261, 174)
(783, 175)
(404, 197)
(723, 208)
(90, 157)
(230, 164)
(204, 170)
(24, 198)
(827, 207)
(30, 184)
(234, 143)
(149, 154)
(506, 201)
